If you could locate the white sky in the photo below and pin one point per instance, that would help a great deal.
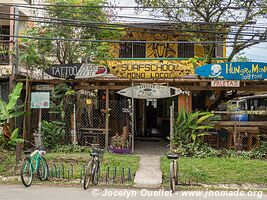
(254, 53)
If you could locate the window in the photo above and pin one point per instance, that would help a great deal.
(4, 45)
(186, 50)
(132, 50)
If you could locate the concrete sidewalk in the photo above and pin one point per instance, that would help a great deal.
(149, 174)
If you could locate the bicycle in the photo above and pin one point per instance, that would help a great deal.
(92, 172)
(34, 163)
(174, 170)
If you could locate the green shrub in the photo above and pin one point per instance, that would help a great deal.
(71, 149)
(53, 133)
(190, 127)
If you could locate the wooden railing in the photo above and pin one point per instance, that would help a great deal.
(4, 52)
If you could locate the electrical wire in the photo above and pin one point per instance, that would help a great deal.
(93, 25)
(121, 7)
(143, 18)
(129, 41)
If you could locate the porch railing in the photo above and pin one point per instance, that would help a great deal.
(4, 52)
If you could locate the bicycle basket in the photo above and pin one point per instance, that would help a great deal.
(100, 152)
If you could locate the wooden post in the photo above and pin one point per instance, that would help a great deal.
(25, 107)
(28, 117)
(107, 117)
(40, 128)
(133, 116)
(235, 136)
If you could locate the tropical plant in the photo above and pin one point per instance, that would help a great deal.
(211, 20)
(84, 21)
(8, 111)
(190, 127)
(53, 133)
(60, 96)
(15, 138)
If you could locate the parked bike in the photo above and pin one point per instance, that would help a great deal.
(92, 172)
(174, 170)
(34, 163)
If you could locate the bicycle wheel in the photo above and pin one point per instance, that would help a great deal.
(89, 174)
(176, 167)
(26, 172)
(96, 175)
(172, 176)
(42, 170)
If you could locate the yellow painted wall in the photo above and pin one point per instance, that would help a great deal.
(158, 50)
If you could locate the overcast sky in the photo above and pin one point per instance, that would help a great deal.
(255, 53)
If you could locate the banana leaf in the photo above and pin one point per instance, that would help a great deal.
(203, 118)
(14, 96)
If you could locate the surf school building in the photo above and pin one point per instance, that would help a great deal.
(129, 98)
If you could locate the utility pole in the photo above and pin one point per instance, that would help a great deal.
(15, 66)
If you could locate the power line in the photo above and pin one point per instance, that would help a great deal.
(129, 41)
(125, 7)
(141, 18)
(125, 26)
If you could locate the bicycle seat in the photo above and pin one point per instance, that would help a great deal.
(94, 154)
(27, 151)
(173, 156)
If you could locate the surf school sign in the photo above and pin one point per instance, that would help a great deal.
(77, 71)
(234, 71)
(150, 69)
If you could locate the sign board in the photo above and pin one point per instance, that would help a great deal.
(40, 100)
(149, 69)
(234, 71)
(126, 110)
(150, 91)
(225, 83)
(77, 71)
(44, 87)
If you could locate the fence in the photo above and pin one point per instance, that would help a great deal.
(94, 123)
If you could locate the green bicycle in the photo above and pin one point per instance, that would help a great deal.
(34, 163)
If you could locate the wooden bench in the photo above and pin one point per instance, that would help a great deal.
(91, 135)
(121, 140)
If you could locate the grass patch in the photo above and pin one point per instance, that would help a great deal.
(219, 170)
(9, 167)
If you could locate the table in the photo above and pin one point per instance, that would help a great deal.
(94, 133)
(234, 127)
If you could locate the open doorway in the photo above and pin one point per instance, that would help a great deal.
(152, 118)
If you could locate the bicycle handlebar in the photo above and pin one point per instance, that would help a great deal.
(36, 147)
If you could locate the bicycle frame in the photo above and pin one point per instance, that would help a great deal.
(35, 156)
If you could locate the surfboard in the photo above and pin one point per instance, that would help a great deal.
(234, 71)
(150, 91)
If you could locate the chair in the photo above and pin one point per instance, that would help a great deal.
(121, 140)
(213, 139)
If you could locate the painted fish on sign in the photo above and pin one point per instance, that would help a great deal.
(150, 91)
(234, 71)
